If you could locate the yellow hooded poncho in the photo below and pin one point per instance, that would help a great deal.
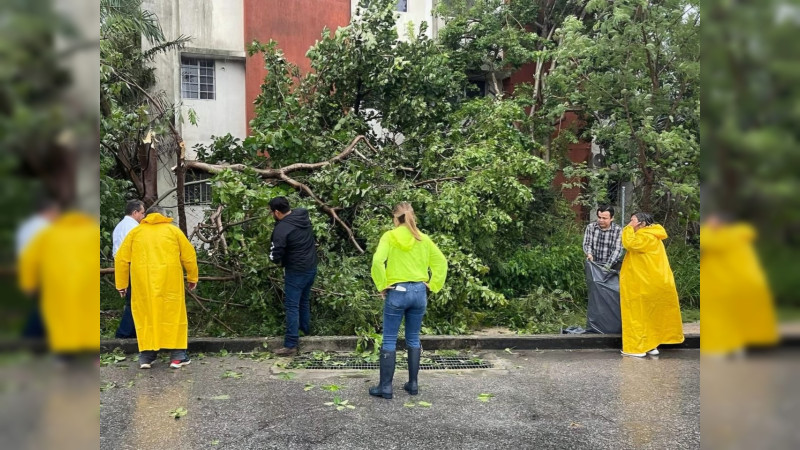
(737, 304)
(649, 305)
(62, 263)
(155, 254)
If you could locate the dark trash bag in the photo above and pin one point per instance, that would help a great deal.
(603, 315)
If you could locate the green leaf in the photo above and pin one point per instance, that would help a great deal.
(221, 397)
(308, 387)
(408, 404)
(231, 374)
(331, 387)
(179, 412)
(424, 404)
(485, 397)
(287, 375)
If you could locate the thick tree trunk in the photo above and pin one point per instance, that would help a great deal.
(180, 174)
(148, 163)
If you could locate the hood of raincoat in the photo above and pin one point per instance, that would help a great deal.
(154, 218)
(402, 238)
(75, 218)
(657, 231)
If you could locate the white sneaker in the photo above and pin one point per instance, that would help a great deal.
(654, 352)
(145, 365)
(636, 355)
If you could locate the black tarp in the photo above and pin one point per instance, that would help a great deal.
(603, 315)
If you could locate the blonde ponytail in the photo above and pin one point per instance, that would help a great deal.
(404, 214)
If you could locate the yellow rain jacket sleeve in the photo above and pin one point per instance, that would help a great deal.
(155, 254)
(62, 264)
(737, 307)
(648, 298)
(401, 258)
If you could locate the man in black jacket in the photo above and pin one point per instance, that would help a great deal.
(294, 248)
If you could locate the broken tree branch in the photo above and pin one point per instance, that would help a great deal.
(282, 174)
(197, 299)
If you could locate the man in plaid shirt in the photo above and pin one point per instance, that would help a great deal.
(601, 241)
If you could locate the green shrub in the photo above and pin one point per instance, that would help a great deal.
(782, 264)
(557, 265)
(540, 311)
(685, 262)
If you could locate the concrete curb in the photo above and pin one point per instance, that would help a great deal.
(348, 343)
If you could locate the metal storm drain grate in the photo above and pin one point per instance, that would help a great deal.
(433, 362)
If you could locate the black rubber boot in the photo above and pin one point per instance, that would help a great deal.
(413, 370)
(384, 389)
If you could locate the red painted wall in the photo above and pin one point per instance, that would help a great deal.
(578, 152)
(295, 25)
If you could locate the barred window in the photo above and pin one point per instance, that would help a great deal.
(197, 193)
(197, 78)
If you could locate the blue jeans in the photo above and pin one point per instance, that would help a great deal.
(126, 329)
(297, 301)
(410, 304)
(148, 356)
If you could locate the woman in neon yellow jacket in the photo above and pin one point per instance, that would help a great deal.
(649, 305)
(400, 272)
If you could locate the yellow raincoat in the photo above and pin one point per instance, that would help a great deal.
(155, 254)
(62, 263)
(737, 304)
(649, 305)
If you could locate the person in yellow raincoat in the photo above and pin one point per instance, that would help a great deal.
(649, 305)
(61, 263)
(155, 255)
(737, 303)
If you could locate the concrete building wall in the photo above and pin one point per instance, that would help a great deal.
(416, 12)
(216, 31)
(222, 115)
(213, 24)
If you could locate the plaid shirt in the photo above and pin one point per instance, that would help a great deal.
(605, 246)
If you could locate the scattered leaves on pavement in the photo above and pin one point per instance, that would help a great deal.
(179, 412)
(484, 397)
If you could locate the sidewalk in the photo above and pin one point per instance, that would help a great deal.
(476, 342)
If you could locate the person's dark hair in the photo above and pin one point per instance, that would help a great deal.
(606, 208)
(645, 218)
(46, 203)
(155, 209)
(279, 204)
(133, 205)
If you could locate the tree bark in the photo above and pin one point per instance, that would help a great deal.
(180, 175)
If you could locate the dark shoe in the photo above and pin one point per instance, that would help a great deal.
(286, 351)
(384, 389)
(413, 370)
